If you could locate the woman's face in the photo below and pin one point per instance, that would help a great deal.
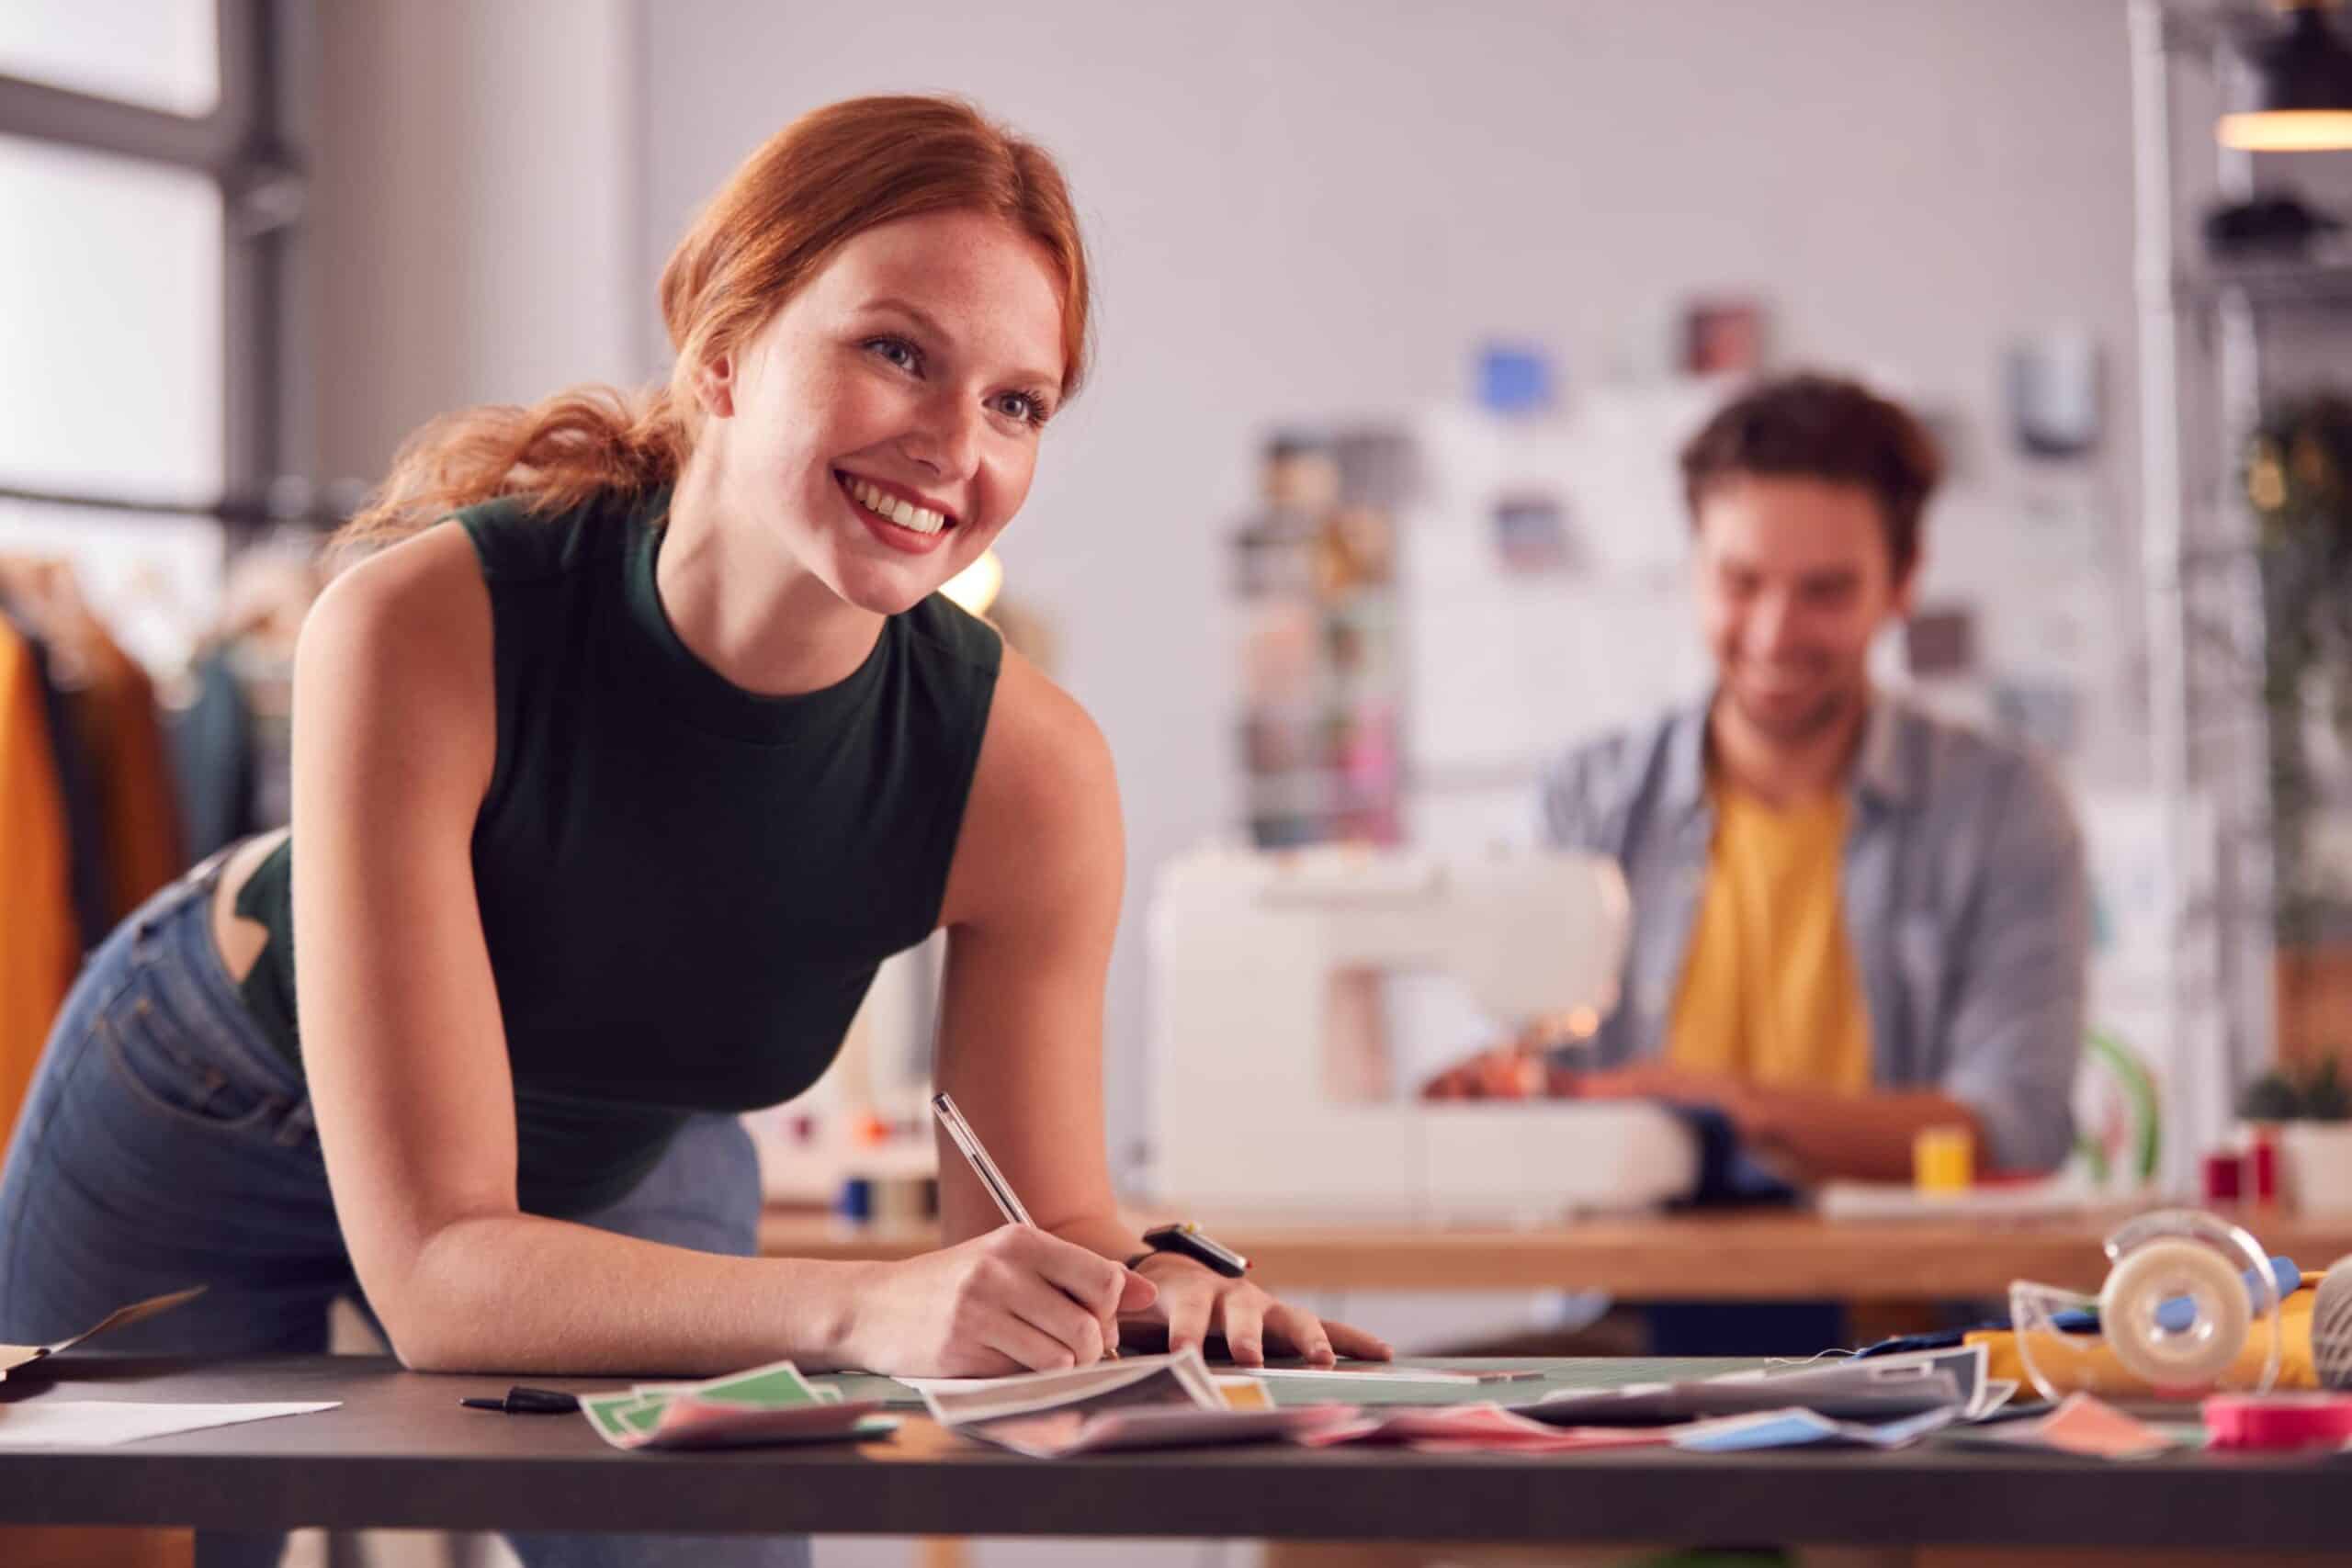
(883, 425)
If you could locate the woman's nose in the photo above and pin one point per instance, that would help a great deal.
(946, 437)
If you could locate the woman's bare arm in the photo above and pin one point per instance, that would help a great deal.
(1032, 907)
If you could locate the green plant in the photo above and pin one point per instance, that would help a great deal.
(2270, 1098)
(2317, 1094)
(2326, 1098)
(2297, 479)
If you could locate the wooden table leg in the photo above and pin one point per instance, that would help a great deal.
(943, 1551)
(62, 1546)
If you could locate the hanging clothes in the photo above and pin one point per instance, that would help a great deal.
(231, 743)
(42, 946)
(87, 873)
(212, 744)
(136, 804)
(119, 795)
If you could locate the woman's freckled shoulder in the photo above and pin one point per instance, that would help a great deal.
(1042, 839)
(1033, 722)
(1045, 768)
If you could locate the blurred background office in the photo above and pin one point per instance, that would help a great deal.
(1421, 298)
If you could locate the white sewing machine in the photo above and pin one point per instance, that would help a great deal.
(1281, 1079)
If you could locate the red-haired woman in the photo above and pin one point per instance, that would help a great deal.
(638, 744)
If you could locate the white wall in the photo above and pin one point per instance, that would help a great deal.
(471, 216)
(1315, 208)
(1300, 212)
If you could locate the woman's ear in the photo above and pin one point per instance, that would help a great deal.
(715, 386)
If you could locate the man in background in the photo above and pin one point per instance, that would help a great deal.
(1851, 921)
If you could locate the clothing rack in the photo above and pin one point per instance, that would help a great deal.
(289, 502)
(137, 765)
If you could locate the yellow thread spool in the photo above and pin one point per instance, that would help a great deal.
(1943, 1159)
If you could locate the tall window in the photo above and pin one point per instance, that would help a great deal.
(146, 199)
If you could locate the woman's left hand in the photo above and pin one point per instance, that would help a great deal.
(1197, 1301)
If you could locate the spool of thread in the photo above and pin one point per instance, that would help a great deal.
(2138, 1289)
(2262, 1164)
(898, 1200)
(2224, 1177)
(2278, 1420)
(1943, 1159)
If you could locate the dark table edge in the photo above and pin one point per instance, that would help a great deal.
(1861, 1499)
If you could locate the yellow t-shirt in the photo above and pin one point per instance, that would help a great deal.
(1770, 993)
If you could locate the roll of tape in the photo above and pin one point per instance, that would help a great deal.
(2142, 1280)
(2332, 1326)
(2278, 1420)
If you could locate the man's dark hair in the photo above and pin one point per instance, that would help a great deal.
(1822, 427)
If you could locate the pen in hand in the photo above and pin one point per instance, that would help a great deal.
(1008, 1203)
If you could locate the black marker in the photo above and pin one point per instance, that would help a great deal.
(528, 1402)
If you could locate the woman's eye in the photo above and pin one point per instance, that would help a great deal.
(1026, 407)
(897, 351)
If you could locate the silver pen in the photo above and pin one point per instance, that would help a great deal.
(1008, 1203)
(943, 1105)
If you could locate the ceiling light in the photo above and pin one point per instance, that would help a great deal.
(2305, 100)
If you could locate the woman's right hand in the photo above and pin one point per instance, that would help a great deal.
(1016, 1300)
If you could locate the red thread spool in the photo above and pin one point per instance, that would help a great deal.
(2278, 1420)
(2224, 1176)
(2264, 1158)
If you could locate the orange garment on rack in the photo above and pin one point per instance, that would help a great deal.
(41, 949)
(138, 809)
(40, 946)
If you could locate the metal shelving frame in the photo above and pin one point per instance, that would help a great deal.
(2204, 329)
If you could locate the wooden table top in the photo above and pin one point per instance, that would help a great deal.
(399, 1453)
(1731, 1254)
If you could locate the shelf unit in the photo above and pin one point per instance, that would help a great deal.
(2211, 336)
(1319, 728)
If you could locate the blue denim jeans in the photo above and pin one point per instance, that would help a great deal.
(164, 1143)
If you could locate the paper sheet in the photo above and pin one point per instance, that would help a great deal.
(1978, 1394)
(1796, 1428)
(977, 1385)
(1383, 1371)
(1878, 1389)
(1057, 1434)
(1644, 1405)
(1179, 1380)
(87, 1423)
(1476, 1428)
(1143, 1402)
(966, 1385)
(2083, 1423)
(767, 1405)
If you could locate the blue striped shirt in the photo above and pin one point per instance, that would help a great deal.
(1963, 889)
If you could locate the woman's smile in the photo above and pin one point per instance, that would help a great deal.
(895, 518)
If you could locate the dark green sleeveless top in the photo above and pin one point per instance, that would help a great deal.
(687, 888)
